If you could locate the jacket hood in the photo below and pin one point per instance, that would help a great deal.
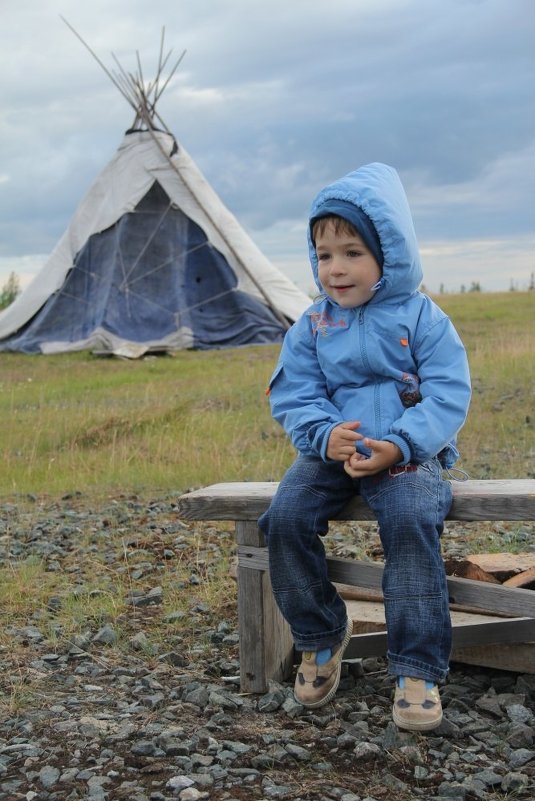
(377, 190)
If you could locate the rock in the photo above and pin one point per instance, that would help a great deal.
(514, 782)
(367, 752)
(452, 790)
(105, 636)
(521, 756)
(49, 776)
(518, 713)
(151, 598)
(179, 783)
(271, 701)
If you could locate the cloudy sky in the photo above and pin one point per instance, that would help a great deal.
(274, 100)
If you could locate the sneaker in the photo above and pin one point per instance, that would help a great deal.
(318, 675)
(417, 704)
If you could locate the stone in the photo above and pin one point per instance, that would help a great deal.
(105, 636)
(49, 776)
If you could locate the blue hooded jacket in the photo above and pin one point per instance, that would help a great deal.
(395, 363)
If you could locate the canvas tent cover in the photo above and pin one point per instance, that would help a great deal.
(152, 260)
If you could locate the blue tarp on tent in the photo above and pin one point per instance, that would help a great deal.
(152, 273)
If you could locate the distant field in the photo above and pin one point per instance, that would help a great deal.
(498, 330)
(77, 422)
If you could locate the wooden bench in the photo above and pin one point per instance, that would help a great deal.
(266, 648)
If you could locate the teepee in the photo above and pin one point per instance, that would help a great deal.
(152, 260)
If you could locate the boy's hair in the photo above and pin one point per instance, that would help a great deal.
(340, 225)
(349, 219)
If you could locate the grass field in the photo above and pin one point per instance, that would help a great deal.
(75, 422)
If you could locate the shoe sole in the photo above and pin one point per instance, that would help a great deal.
(424, 725)
(332, 691)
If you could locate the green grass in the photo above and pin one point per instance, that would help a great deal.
(498, 330)
(78, 422)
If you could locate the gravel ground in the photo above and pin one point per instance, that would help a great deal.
(115, 710)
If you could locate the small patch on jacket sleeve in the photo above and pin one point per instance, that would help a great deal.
(404, 342)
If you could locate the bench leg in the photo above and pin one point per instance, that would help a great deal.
(266, 645)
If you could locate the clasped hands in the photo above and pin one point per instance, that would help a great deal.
(341, 447)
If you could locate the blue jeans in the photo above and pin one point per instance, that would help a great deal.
(410, 507)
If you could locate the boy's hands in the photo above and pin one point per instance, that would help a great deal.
(342, 441)
(384, 455)
(341, 447)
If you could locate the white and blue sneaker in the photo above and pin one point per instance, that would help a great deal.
(318, 675)
(417, 704)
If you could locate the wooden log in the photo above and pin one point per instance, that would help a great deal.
(463, 568)
(525, 579)
(349, 593)
(489, 598)
(503, 565)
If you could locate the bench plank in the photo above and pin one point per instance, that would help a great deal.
(500, 499)
(503, 631)
(517, 657)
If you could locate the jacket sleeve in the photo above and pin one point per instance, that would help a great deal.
(429, 427)
(298, 393)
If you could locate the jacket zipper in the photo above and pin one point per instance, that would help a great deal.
(365, 361)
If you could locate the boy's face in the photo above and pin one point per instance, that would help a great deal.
(346, 268)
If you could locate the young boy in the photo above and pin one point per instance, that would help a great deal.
(372, 386)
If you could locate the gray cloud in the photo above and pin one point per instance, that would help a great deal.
(273, 101)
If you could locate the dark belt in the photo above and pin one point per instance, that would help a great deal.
(402, 468)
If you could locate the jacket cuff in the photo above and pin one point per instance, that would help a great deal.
(402, 445)
(318, 438)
